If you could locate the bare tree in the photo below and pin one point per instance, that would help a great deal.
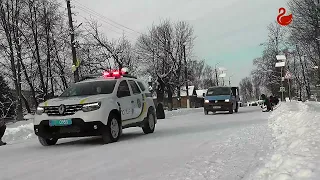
(265, 66)
(113, 54)
(9, 10)
(246, 88)
(163, 50)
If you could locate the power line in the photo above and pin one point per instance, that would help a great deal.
(87, 12)
(106, 18)
(103, 20)
(106, 27)
(117, 32)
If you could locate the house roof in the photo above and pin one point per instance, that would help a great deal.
(200, 92)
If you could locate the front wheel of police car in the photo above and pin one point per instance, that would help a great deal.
(47, 142)
(113, 129)
(150, 122)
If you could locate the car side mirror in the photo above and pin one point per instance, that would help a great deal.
(203, 94)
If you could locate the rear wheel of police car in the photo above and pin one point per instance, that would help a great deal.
(47, 142)
(150, 122)
(113, 129)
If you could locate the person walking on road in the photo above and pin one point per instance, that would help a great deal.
(3, 128)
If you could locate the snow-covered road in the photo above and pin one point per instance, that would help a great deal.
(190, 146)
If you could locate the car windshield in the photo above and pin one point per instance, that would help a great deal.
(218, 91)
(90, 88)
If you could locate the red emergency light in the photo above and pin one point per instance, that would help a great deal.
(115, 73)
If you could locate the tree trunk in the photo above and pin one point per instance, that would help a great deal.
(60, 66)
(29, 83)
(179, 95)
(170, 101)
(26, 103)
(35, 37)
(160, 92)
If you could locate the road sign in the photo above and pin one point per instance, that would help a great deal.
(281, 57)
(280, 64)
(288, 75)
(282, 89)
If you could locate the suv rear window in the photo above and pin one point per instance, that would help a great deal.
(90, 88)
(141, 85)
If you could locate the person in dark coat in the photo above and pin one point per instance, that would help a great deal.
(266, 102)
(3, 128)
(274, 100)
(271, 99)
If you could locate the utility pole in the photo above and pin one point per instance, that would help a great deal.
(282, 99)
(215, 68)
(73, 43)
(186, 75)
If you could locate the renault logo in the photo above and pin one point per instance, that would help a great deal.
(62, 109)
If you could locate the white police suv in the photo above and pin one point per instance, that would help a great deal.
(97, 106)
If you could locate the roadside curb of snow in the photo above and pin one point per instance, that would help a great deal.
(180, 112)
(21, 132)
(296, 143)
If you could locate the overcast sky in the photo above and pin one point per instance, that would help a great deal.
(228, 31)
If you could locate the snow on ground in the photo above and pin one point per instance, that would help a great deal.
(18, 131)
(182, 111)
(24, 129)
(188, 146)
(296, 143)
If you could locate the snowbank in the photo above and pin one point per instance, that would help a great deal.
(295, 151)
(183, 111)
(19, 131)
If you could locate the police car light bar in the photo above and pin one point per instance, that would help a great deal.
(115, 73)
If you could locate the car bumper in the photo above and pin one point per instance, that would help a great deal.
(223, 106)
(79, 128)
(98, 115)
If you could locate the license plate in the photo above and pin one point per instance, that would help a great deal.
(216, 107)
(71, 129)
(60, 122)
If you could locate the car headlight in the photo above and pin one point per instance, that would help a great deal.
(91, 107)
(40, 110)
(227, 100)
(206, 101)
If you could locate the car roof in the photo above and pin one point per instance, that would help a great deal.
(105, 79)
(219, 87)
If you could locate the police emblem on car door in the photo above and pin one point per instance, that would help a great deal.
(137, 98)
(139, 103)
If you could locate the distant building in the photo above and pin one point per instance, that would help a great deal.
(195, 96)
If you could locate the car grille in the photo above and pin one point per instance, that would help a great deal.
(213, 101)
(70, 110)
